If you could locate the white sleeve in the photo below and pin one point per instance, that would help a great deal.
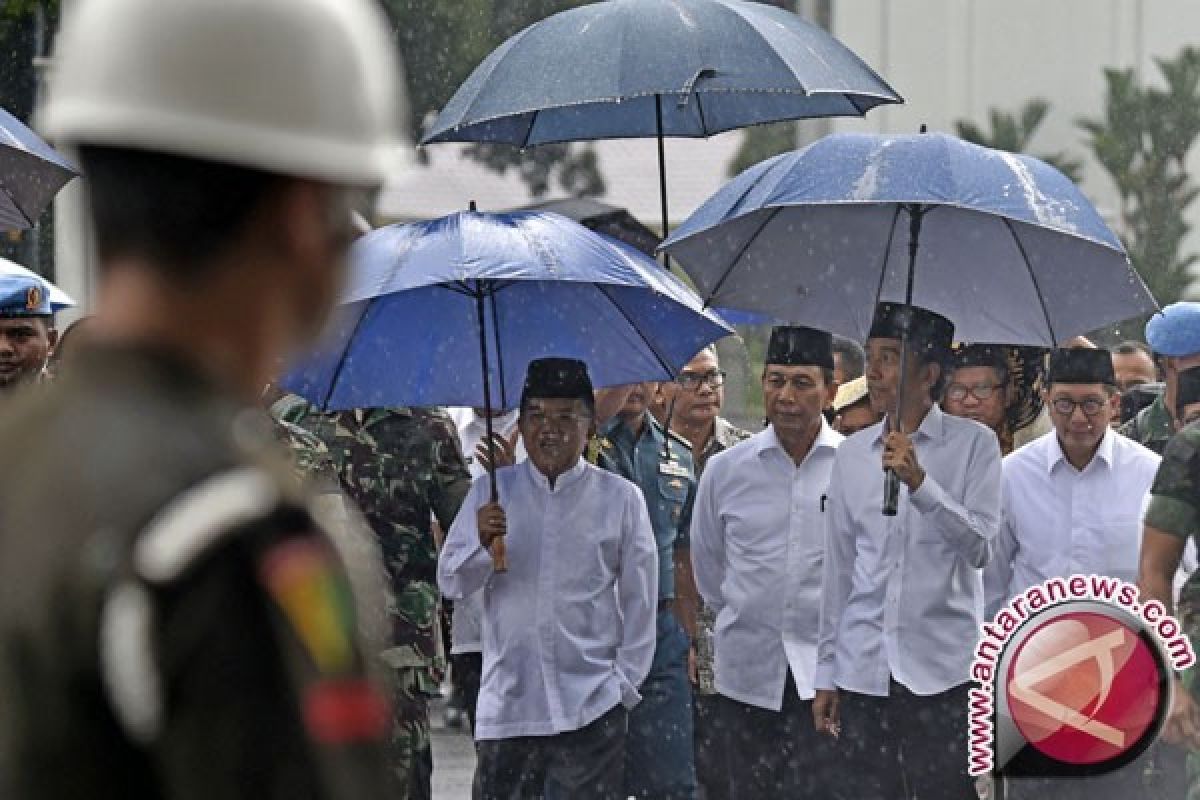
(839, 567)
(708, 542)
(971, 525)
(637, 596)
(464, 565)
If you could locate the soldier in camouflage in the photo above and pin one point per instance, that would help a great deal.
(402, 467)
(1174, 336)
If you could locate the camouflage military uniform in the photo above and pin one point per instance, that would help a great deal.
(1152, 426)
(402, 467)
(1175, 509)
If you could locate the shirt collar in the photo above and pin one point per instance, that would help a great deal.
(1104, 453)
(615, 429)
(931, 427)
(827, 437)
(566, 479)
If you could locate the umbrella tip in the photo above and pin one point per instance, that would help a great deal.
(471, 206)
(924, 128)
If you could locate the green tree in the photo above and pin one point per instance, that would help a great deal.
(1142, 141)
(442, 42)
(1013, 133)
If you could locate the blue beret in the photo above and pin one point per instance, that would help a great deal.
(24, 296)
(1175, 331)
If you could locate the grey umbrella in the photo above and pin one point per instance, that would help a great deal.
(657, 68)
(31, 173)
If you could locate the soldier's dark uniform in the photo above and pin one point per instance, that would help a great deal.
(659, 749)
(1175, 509)
(402, 467)
(174, 622)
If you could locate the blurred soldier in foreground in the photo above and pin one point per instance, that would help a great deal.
(569, 627)
(27, 333)
(175, 622)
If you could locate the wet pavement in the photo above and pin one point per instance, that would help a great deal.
(453, 758)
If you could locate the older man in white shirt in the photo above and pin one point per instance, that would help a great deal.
(569, 626)
(903, 594)
(758, 538)
(1072, 504)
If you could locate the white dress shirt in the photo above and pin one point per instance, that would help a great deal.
(466, 624)
(1060, 521)
(569, 629)
(758, 543)
(903, 595)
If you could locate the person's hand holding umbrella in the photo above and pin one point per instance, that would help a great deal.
(493, 526)
(900, 455)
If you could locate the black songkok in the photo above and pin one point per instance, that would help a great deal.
(797, 346)
(557, 378)
(981, 355)
(929, 334)
(1081, 365)
(1187, 390)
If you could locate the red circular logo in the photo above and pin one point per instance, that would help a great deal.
(1083, 688)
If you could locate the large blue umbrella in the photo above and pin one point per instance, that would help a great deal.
(655, 68)
(31, 173)
(1003, 245)
(451, 311)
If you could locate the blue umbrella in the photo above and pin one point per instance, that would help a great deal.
(31, 173)
(451, 311)
(643, 68)
(1003, 245)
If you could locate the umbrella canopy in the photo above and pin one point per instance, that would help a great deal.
(422, 298)
(612, 221)
(601, 70)
(1004, 245)
(654, 68)
(31, 173)
(58, 298)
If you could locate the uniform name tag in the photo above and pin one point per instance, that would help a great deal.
(673, 469)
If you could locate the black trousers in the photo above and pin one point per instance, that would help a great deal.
(466, 670)
(780, 753)
(587, 764)
(905, 745)
(712, 754)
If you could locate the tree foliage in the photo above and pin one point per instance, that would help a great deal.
(1142, 141)
(1013, 133)
(442, 42)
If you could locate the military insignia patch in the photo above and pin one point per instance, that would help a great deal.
(304, 579)
(33, 298)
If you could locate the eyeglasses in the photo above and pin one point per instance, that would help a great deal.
(957, 392)
(560, 420)
(1091, 406)
(692, 380)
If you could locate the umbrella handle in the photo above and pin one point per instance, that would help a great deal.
(891, 493)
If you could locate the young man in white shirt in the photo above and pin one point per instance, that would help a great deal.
(569, 626)
(1072, 505)
(903, 594)
(758, 538)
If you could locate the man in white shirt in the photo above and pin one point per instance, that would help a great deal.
(1073, 498)
(903, 594)
(569, 627)
(758, 538)
(466, 624)
(1072, 504)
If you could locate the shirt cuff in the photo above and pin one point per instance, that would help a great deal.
(929, 496)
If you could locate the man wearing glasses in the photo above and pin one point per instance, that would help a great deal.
(1072, 503)
(693, 402)
(1073, 498)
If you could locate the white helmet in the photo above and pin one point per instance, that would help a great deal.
(308, 88)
